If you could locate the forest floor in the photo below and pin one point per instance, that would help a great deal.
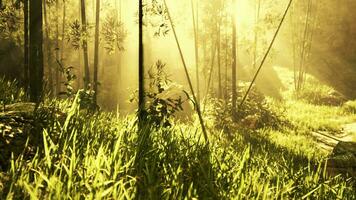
(327, 141)
(77, 154)
(330, 120)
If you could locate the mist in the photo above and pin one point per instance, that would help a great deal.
(177, 99)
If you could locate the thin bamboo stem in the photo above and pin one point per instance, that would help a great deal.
(197, 107)
(267, 53)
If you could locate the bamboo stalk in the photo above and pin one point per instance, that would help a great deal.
(267, 53)
(234, 62)
(210, 75)
(85, 44)
(303, 48)
(96, 50)
(197, 107)
(48, 46)
(195, 27)
(258, 9)
(141, 88)
(57, 74)
(219, 52)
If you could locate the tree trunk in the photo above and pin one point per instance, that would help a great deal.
(58, 86)
(293, 40)
(196, 31)
(234, 62)
(213, 54)
(26, 45)
(63, 32)
(96, 50)
(118, 9)
(255, 52)
(141, 89)
(304, 47)
(85, 46)
(36, 54)
(219, 58)
(226, 60)
(48, 47)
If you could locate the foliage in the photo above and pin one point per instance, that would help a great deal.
(113, 33)
(156, 16)
(315, 93)
(76, 34)
(255, 113)
(350, 107)
(258, 110)
(70, 78)
(10, 25)
(10, 92)
(85, 96)
(86, 100)
(163, 97)
(100, 156)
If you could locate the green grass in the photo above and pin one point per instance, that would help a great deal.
(316, 106)
(10, 92)
(317, 117)
(102, 156)
(350, 107)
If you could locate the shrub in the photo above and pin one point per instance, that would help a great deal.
(316, 93)
(11, 92)
(163, 98)
(349, 107)
(255, 113)
(85, 96)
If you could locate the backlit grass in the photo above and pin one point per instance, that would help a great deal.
(102, 156)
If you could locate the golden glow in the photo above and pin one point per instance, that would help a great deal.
(244, 12)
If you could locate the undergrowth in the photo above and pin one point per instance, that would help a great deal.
(257, 112)
(84, 155)
(10, 92)
(317, 93)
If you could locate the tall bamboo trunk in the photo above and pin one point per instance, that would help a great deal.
(195, 15)
(197, 106)
(48, 48)
(57, 74)
(118, 9)
(36, 54)
(219, 58)
(141, 89)
(96, 50)
(85, 46)
(306, 43)
(26, 45)
(293, 40)
(234, 62)
(226, 67)
(303, 48)
(63, 34)
(210, 84)
(213, 51)
(257, 18)
(226, 55)
(314, 21)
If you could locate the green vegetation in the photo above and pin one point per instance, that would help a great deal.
(102, 156)
(214, 117)
(350, 106)
(10, 92)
